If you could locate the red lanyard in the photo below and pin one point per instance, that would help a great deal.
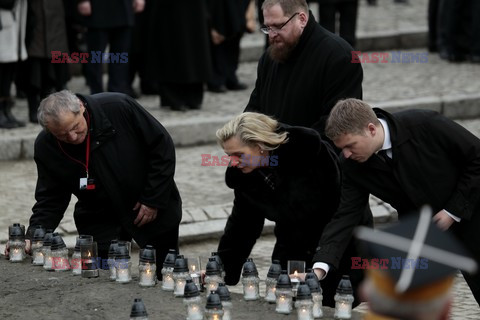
(87, 156)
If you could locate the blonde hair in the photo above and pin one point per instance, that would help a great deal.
(253, 129)
(349, 116)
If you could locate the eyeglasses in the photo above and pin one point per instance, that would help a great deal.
(267, 30)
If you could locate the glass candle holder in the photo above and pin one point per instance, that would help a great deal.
(295, 269)
(123, 264)
(250, 281)
(344, 299)
(284, 294)
(37, 245)
(317, 297)
(147, 267)
(271, 281)
(214, 308)
(194, 270)
(213, 275)
(168, 283)
(215, 255)
(192, 300)
(46, 250)
(89, 256)
(226, 299)
(180, 275)
(76, 260)
(304, 303)
(59, 253)
(138, 312)
(112, 271)
(16, 242)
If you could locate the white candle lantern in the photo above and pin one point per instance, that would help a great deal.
(167, 271)
(215, 255)
(89, 254)
(192, 300)
(250, 281)
(112, 271)
(317, 296)
(194, 270)
(284, 294)
(212, 275)
(147, 267)
(226, 299)
(214, 308)
(16, 242)
(180, 275)
(76, 260)
(37, 245)
(271, 281)
(46, 250)
(123, 265)
(59, 253)
(344, 299)
(139, 312)
(304, 303)
(295, 268)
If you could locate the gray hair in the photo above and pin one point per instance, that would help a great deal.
(55, 104)
(289, 7)
(253, 129)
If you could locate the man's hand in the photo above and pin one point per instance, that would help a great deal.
(85, 8)
(28, 248)
(138, 6)
(443, 220)
(217, 38)
(145, 214)
(319, 272)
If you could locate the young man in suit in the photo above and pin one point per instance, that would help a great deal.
(407, 159)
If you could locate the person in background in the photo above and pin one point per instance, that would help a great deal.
(13, 20)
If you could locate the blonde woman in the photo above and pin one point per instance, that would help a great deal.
(285, 174)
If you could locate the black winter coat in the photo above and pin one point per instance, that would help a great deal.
(304, 198)
(435, 161)
(303, 90)
(132, 159)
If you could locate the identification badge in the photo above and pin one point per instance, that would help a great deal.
(90, 184)
(83, 183)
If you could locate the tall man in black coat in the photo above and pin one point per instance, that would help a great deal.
(109, 22)
(119, 162)
(305, 70)
(407, 159)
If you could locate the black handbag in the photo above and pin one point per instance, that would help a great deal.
(7, 4)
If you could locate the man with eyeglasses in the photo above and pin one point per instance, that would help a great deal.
(305, 70)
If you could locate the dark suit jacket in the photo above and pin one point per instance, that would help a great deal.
(435, 162)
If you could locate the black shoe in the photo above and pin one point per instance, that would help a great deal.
(475, 59)
(195, 107)
(217, 89)
(8, 114)
(237, 86)
(5, 123)
(178, 108)
(149, 89)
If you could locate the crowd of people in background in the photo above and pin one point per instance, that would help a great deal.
(178, 49)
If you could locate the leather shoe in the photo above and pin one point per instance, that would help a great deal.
(237, 86)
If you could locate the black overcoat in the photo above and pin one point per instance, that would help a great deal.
(435, 161)
(305, 196)
(132, 159)
(109, 14)
(303, 90)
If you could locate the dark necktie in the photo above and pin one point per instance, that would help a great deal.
(382, 154)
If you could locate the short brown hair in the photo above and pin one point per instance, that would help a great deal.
(289, 7)
(349, 116)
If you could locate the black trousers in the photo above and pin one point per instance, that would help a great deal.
(119, 40)
(348, 18)
(7, 74)
(225, 62)
(181, 94)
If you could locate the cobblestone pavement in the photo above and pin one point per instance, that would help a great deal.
(464, 305)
